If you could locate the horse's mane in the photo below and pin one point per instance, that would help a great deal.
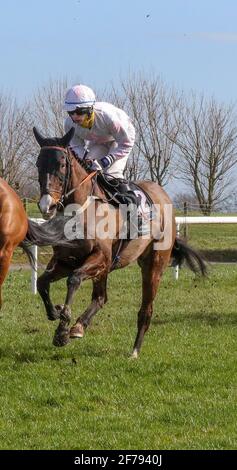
(81, 162)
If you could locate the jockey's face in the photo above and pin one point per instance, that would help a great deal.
(78, 115)
(84, 117)
(77, 118)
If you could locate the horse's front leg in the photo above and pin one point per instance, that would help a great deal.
(99, 298)
(54, 272)
(95, 266)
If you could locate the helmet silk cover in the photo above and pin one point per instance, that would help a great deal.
(79, 96)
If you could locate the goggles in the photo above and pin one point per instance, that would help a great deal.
(80, 111)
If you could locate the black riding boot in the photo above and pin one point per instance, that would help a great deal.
(134, 216)
(122, 193)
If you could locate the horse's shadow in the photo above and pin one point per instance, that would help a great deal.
(44, 354)
(209, 318)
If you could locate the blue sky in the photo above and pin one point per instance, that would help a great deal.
(192, 44)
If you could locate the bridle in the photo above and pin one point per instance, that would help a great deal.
(65, 178)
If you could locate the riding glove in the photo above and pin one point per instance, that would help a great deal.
(102, 164)
(95, 166)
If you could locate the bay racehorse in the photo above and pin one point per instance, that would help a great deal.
(64, 181)
(13, 228)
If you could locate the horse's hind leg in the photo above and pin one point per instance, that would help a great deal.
(99, 298)
(152, 268)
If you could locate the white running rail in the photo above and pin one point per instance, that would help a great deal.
(201, 220)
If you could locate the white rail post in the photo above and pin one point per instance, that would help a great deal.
(34, 273)
(176, 269)
(34, 249)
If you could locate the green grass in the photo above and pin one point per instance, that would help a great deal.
(32, 209)
(179, 394)
(213, 236)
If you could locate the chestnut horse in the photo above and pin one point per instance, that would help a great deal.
(64, 181)
(13, 228)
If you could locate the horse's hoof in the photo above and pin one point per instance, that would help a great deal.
(77, 331)
(134, 354)
(61, 337)
(61, 340)
(54, 314)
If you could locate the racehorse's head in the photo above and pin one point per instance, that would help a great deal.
(52, 164)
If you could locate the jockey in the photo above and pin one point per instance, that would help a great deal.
(104, 137)
(104, 134)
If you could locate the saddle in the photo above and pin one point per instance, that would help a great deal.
(119, 191)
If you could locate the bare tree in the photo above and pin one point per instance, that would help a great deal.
(182, 199)
(207, 149)
(15, 146)
(151, 105)
(136, 167)
(47, 112)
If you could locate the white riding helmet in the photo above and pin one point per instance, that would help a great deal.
(79, 96)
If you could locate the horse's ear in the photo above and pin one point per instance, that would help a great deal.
(67, 137)
(40, 139)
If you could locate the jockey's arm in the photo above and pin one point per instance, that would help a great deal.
(123, 133)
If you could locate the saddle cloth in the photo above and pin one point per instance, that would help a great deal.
(119, 191)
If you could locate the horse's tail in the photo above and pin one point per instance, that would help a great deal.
(50, 233)
(182, 252)
(29, 254)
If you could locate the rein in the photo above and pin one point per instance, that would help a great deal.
(87, 178)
